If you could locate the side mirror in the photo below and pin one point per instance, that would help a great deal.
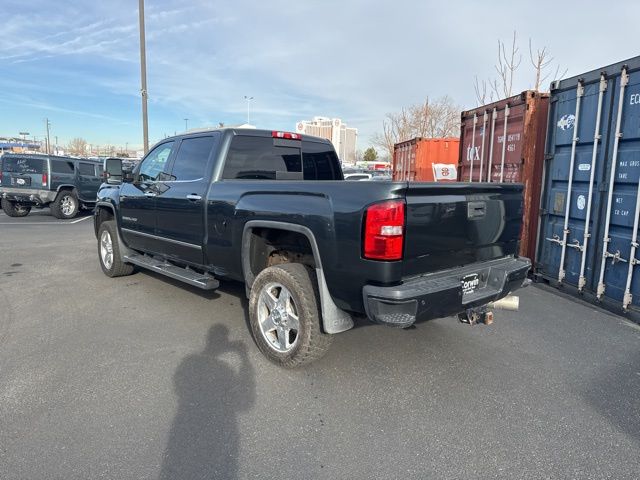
(113, 171)
(127, 175)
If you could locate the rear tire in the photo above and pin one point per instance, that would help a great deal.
(66, 205)
(109, 251)
(284, 315)
(13, 209)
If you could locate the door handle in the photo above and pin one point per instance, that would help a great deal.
(193, 197)
(150, 194)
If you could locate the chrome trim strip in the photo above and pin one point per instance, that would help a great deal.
(156, 237)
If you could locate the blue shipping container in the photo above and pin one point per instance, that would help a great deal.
(590, 207)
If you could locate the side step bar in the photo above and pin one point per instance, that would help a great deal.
(200, 280)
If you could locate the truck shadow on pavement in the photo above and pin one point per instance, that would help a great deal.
(212, 386)
(615, 394)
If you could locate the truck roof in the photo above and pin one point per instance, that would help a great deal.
(232, 131)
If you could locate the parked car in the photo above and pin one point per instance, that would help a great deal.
(358, 176)
(64, 184)
(269, 209)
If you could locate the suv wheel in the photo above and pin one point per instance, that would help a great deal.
(65, 205)
(284, 316)
(109, 252)
(14, 209)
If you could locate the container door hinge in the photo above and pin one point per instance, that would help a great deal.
(626, 301)
(582, 281)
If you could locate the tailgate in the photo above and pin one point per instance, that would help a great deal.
(23, 172)
(450, 225)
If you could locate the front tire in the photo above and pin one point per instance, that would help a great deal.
(284, 316)
(65, 206)
(13, 209)
(109, 251)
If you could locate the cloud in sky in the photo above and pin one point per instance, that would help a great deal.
(79, 64)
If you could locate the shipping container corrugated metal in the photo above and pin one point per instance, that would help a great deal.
(414, 160)
(590, 199)
(520, 159)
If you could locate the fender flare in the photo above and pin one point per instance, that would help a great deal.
(124, 250)
(334, 319)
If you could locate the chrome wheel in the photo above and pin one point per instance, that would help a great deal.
(278, 317)
(106, 249)
(67, 205)
(21, 210)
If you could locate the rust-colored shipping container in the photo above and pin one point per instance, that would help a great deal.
(522, 119)
(426, 159)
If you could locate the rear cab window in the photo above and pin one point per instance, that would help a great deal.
(320, 161)
(263, 158)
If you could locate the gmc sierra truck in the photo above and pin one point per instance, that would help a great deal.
(271, 209)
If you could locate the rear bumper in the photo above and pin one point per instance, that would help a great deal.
(440, 294)
(28, 196)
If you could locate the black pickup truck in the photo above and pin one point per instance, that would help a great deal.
(271, 209)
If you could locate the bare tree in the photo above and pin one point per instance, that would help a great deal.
(431, 119)
(77, 146)
(508, 63)
(506, 67)
(541, 61)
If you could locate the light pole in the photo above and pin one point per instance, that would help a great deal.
(143, 78)
(248, 99)
(186, 124)
(48, 124)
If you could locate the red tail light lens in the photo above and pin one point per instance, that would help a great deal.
(384, 231)
(44, 179)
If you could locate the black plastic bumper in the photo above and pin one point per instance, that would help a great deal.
(440, 294)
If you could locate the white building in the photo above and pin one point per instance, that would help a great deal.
(344, 139)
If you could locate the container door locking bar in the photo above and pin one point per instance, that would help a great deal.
(484, 136)
(574, 142)
(624, 80)
(473, 146)
(582, 281)
(626, 301)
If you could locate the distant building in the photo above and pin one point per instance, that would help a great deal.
(344, 138)
(20, 145)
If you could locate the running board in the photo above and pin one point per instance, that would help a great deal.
(186, 275)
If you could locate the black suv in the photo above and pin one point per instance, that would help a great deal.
(65, 184)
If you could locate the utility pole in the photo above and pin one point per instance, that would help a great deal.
(143, 77)
(186, 122)
(48, 124)
(56, 149)
(248, 99)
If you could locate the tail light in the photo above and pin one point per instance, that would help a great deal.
(286, 135)
(384, 231)
(44, 179)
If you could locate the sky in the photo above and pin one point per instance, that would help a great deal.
(78, 64)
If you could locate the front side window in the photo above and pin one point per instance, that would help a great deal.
(191, 159)
(263, 158)
(86, 169)
(154, 164)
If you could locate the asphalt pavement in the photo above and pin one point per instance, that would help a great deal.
(142, 377)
